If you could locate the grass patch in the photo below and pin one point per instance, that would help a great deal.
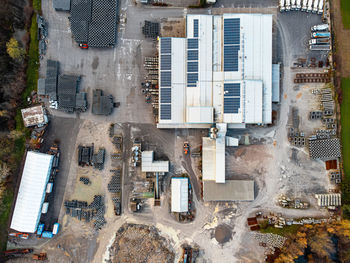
(280, 231)
(33, 61)
(5, 208)
(37, 5)
(345, 135)
(345, 12)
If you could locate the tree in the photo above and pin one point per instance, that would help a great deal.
(4, 172)
(15, 134)
(14, 50)
(321, 244)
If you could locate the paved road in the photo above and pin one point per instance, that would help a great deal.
(187, 164)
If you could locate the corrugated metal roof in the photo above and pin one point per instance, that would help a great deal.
(31, 192)
(179, 195)
(231, 190)
(34, 116)
(149, 165)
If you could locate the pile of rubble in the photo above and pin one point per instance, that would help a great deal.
(140, 243)
(42, 34)
(81, 210)
(270, 240)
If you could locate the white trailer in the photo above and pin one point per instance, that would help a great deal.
(320, 7)
(282, 7)
(315, 9)
(320, 47)
(287, 5)
(298, 4)
(309, 6)
(293, 4)
(321, 27)
(304, 6)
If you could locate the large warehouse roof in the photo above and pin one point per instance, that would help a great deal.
(31, 192)
(231, 190)
(179, 195)
(223, 66)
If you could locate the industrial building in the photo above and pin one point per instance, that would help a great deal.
(34, 116)
(220, 73)
(149, 165)
(31, 193)
(179, 194)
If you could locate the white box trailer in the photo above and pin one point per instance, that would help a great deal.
(320, 7)
(287, 5)
(293, 4)
(304, 6)
(282, 7)
(309, 6)
(315, 9)
(298, 4)
(45, 208)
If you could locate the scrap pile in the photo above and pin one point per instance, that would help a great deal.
(311, 78)
(150, 87)
(98, 159)
(270, 241)
(151, 29)
(81, 210)
(286, 202)
(114, 187)
(42, 34)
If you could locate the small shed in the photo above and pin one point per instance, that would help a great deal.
(34, 116)
(149, 165)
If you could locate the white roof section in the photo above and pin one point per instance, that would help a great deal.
(253, 71)
(200, 114)
(230, 141)
(31, 194)
(276, 82)
(231, 190)
(208, 159)
(149, 165)
(179, 195)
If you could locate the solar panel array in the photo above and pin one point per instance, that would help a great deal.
(192, 59)
(195, 28)
(232, 99)
(231, 43)
(165, 78)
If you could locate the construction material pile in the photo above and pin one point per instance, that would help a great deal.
(86, 157)
(42, 34)
(140, 243)
(81, 210)
(85, 180)
(151, 29)
(114, 187)
(98, 159)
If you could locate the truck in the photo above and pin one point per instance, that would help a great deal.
(56, 228)
(321, 34)
(49, 187)
(287, 5)
(320, 7)
(319, 41)
(293, 4)
(40, 229)
(309, 6)
(186, 148)
(315, 9)
(298, 5)
(321, 27)
(41, 256)
(304, 6)
(320, 47)
(282, 7)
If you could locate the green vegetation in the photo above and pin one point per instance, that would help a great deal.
(5, 208)
(37, 5)
(33, 60)
(345, 130)
(345, 12)
(279, 231)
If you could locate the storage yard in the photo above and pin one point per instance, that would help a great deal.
(174, 144)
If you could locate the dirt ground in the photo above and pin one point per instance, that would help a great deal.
(342, 38)
(173, 27)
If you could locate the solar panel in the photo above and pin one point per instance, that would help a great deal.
(165, 78)
(165, 95)
(192, 66)
(231, 58)
(165, 111)
(232, 89)
(195, 27)
(192, 79)
(165, 62)
(192, 54)
(232, 31)
(192, 43)
(231, 105)
(165, 45)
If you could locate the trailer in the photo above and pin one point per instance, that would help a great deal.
(40, 229)
(287, 5)
(315, 9)
(321, 35)
(56, 228)
(309, 6)
(298, 5)
(320, 7)
(293, 4)
(321, 27)
(282, 7)
(319, 41)
(304, 6)
(320, 47)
